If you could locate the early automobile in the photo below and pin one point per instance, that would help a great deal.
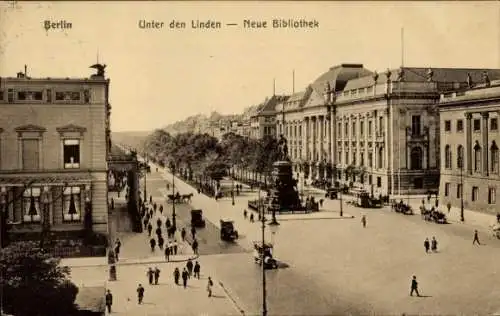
(263, 254)
(332, 193)
(197, 218)
(227, 231)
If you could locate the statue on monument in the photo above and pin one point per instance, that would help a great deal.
(282, 148)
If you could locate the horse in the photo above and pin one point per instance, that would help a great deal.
(186, 198)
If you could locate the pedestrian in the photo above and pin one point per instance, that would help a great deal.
(193, 232)
(183, 234)
(167, 252)
(145, 221)
(363, 221)
(150, 273)
(118, 245)
(196, 270)
(245, 213)
(251, 218)
(157, 275)
(140, 294)
(185, 276)
(154, 207)
(161, 209)
(426, 245)
(195, 246)
(161, 241)
(156, 169)
(158, 231)
(167, 223)
(150, 199)
(152, 243)
(210, 284)
(476, 238)
(151, 213)
(174, 246)
(177, 274)
(414, 286)
(158, 222)
(112, 204)
(321, 202)
(109, 300)
(150, 228)
(189, 266)
(434, 244)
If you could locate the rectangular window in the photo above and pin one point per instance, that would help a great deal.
(494, 124)
(369, 89)
(446, 189)
(415, 125)
(30, 154)
(492, 195)
(447, 125)
(21, 95)
(460, 125)
(340, 157)
(459, 190)
(381, 125)
(379, 182)
(71, 153)
(477, 125)
(354, 158)
(346, 130)
(370, 160)
(353, 92)
(370, 128)
(339, 129)
(353, 129)
(10, 95)
(362, 159)
(31, 205)
(475, 193)
(346, 158)
(1, 95)
(59, 96)
(362, 128)
(71, 204)
(370, 179)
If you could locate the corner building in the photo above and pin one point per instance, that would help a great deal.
(470, 139)
(54, 142)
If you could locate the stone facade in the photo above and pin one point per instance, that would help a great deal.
(469, 147)
(53, 152)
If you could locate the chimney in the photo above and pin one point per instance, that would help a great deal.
(26, 71)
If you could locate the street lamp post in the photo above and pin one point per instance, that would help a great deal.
(3, 217)
(145, 173)
(264, 291)
(45, 218)
(232, 185)
(174, 223)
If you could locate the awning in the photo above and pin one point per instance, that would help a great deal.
(42, 180)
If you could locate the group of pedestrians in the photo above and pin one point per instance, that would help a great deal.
(432, 245)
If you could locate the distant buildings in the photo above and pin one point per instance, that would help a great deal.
(54, 141)
(470, 138)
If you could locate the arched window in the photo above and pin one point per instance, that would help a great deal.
(447, 157)
(494, 157)
(477, 158)
(381, 157)
(416, 158)
(460, 156)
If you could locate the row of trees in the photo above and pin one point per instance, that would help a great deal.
(205, 155)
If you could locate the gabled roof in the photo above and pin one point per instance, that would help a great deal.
(269, 104)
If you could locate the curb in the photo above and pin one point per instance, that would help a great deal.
(233, 300)
(193, 257)
(315, 218)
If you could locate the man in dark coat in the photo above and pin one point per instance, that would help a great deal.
(183, 234)
(414, 286)
(150, 228)
(195, 246)
(177, 274)
(196, 270)
(150, 273)
(161, 242)
(167, 253)
(158, 222)
(185, 276)
(426, 245)
(152, 243)
(189, 266)
(140, 294)
(109, 300)
(156, 274)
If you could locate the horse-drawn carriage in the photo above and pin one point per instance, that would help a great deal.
(402, 208)
(365, 200)
(180, 198)
(495, 229)
(432, 215)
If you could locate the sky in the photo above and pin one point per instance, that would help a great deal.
(159, 76)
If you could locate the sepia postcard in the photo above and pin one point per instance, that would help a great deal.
(249, 158)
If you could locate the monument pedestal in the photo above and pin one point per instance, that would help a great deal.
(283, 196)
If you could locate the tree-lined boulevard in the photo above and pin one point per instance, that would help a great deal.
(335, 266)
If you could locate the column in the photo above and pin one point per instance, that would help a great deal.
(374, 141)
(313, 127)
(332, 141)
(484, 134)
(321, 122)
(387, 148)
(304, 139)
(468, 141)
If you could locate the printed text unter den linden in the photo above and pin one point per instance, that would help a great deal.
(246, 24)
